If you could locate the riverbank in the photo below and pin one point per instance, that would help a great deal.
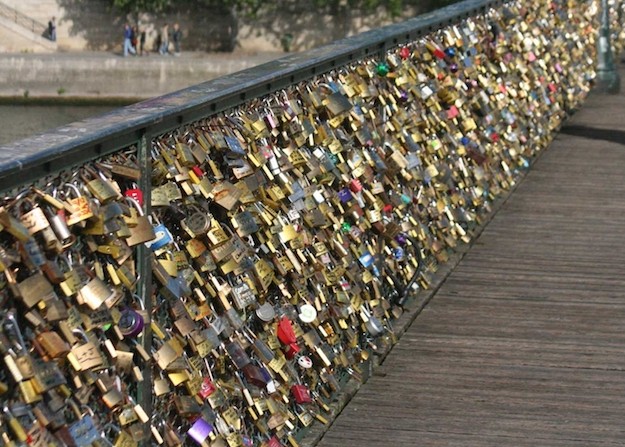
(88, 78)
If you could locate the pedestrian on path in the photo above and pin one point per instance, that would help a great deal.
(176, 36)
(52, 29)
(164, 49)
(142, 41)
(128, 48)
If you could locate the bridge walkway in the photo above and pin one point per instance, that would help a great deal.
(524, 342)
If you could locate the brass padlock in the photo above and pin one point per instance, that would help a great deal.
(52, 344)
(79, 204)
(36, 288)
(98, 185)
(95, 293)
(143, 231)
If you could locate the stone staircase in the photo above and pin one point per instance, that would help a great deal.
(21, 32)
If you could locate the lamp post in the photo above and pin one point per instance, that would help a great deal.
(608, 79)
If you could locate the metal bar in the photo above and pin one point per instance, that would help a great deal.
(20, 18)
(77, 143)
(144, 267)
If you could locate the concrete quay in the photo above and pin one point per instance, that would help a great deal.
(90, 76)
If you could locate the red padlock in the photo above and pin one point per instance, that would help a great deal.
(197, 171)
(286, 334)
(274, 442)
(206, 389)
(135, 193)
(291, 350)
(301, 394)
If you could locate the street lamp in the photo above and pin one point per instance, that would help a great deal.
(608, 78)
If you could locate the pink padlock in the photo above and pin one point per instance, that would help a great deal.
(355, 185)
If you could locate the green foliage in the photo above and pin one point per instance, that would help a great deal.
(251, 7)
(141, 5)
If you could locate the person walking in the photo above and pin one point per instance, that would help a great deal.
(52, 29)
(164, 49)
(128, 48)
(176, 36)
(134, 37)
(142, 41)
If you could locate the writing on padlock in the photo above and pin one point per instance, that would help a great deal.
(162, 237)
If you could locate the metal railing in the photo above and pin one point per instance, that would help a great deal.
(21, 19)
(35, 158)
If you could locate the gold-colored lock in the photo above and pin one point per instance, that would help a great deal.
(101, 188)
(95, 293)
(143, 231)
(35, 289)
(52, 344)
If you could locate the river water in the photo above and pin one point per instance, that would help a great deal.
(21, 121)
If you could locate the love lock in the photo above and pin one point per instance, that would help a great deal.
(198, 222)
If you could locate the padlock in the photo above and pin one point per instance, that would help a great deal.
(130, 323)
(135, 193)
(34, 219)
(52, 343)
(17, 429)
(237, 354)
(80, 433)
(242, 294)
(13, 226)
(60, 228)
(34, 289)
(143, 231)
(79, 204)
(163, 236)
(200, 431)
(85, 355)
(98, 185)
(198, 221)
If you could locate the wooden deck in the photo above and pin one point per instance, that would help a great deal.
(524, 343)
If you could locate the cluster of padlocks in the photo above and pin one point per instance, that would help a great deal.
(280, 239)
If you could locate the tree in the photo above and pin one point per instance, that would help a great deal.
(230, 12)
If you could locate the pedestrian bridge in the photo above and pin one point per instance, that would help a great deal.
(409, 237)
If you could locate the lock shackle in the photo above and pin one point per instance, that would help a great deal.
(81, 333)
(106, 432)
(87, 174)
(327, 86)
(10, 315)
(209, 369)
(156, 216)
(72, 187)
(132, 202)
(16, 201)
(74, 407)
(139, 298)
(94, 173)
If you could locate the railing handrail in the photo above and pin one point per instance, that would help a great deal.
(37, 157)
(21, 19)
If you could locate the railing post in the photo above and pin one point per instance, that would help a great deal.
(608, 79)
